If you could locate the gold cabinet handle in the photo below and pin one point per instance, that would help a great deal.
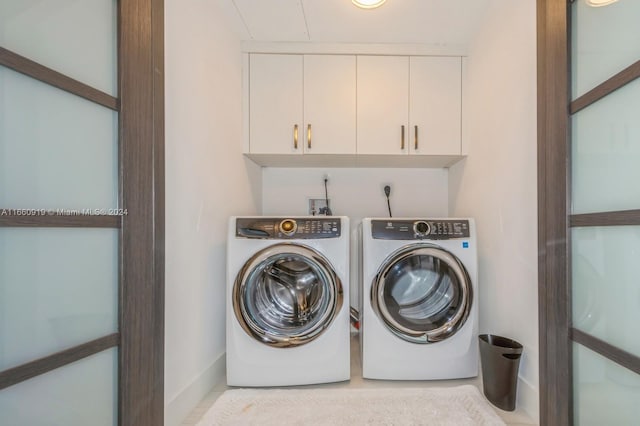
(309, 136)
(402, 137)
(295, 136)
(415, 140)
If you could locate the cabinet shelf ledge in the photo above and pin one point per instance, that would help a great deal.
(354, 160)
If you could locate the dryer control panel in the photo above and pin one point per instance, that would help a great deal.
(420, 229)
(288, 228)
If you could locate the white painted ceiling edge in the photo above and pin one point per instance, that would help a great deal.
(338, 26)
(443, 24)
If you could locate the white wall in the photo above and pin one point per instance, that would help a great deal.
(357, 193)
(207, 180)
(497, 184)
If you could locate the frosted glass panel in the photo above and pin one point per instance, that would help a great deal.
(604, 392)
(58, 289)
(606, 153)
(79, 394)
(606, 284)
(76, 38)
(605, 41)
(56, 150)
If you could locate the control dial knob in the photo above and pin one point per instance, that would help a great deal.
(421, 228)
(288, 227)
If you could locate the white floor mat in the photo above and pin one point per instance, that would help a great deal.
(456, 406)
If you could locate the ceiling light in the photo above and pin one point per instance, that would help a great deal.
(371, 4)
(598, 3)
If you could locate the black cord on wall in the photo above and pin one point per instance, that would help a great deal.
(326, 197)
(387, 192)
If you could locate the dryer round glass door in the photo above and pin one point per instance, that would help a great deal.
(286, 295)
(422, 293)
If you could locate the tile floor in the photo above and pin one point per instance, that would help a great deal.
(515, 418)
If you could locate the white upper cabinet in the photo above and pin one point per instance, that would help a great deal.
(345, 110)
(302, 104)
(275, 104)
(409, 105)
(383, 104)
(330, 104)
(434, 105)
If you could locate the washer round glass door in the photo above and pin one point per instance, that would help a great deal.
(286, 295)
(422, 293)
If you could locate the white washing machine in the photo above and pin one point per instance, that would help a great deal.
(419, 299)
(287, 300)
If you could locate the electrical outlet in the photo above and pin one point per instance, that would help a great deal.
(317, 206)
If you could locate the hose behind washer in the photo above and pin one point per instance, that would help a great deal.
(355, 317)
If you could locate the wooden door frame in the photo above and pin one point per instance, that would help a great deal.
(140, 103)
(141, 130)
(553, 187)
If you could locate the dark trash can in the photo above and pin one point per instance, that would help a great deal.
(500, 360)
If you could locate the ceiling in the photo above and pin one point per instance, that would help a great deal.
(435, 22)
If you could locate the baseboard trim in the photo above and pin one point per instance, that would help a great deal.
(185, 401)
(529, 399)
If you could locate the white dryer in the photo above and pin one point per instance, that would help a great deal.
(287, 300)
(419, 299)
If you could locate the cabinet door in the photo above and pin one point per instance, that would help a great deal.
(434, 108)
(383, 104)
(275, 104)
(329, 104)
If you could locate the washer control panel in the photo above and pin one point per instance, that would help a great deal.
(288, 228)
(419, 229)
